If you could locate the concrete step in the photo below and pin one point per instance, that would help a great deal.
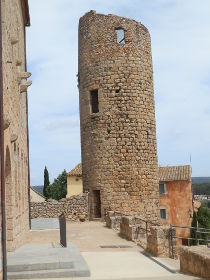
(42, 274)
(39, 266)
(46, 261)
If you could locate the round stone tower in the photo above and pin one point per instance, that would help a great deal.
(117, 116)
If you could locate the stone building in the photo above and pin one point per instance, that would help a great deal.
(176, 198)
(117, 116)
(14, 19)
(74, 181)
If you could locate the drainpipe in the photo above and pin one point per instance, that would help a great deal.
(3, 220)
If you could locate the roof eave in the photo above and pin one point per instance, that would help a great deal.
(174, 180)
(74, 175)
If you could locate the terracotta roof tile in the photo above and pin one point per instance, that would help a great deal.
(175, 173)
(76, 171)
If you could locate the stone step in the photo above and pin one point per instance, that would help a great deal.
(39, 266)
(46, 261)
(43, 274)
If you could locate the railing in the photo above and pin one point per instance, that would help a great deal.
(145, 227)
(201, 236)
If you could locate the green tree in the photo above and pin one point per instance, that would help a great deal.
(46, 182)
(201, 189)
(193, 231)
(58, 189)
(202, 219)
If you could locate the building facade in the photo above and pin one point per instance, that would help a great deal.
(35, 196)
(74, 181)
(117, 116)
(15, 17)
(176, 198)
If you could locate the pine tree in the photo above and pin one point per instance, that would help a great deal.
(46, 182)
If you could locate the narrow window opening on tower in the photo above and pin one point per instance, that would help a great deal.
(120, 36)
(94, 101)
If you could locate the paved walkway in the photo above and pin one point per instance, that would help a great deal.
(46, 223)
(108, 255)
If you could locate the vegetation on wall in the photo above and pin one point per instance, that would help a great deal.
(58, 188)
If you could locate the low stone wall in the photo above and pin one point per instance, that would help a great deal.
(159, 242)
(142, 229)
(75, 208)
(195, 260)
(127, 229)
(154, 239)
(113, 220)
(134, 228)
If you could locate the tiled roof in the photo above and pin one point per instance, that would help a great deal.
(175, 173)
(76, 171)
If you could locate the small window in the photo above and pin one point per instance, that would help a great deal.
(94, 101)
(163, 214)
(162, 188)
(120, 36)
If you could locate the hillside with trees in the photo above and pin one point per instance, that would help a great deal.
(201, 189)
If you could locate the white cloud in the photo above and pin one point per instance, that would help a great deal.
(181, 57)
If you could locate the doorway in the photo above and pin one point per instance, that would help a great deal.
(96, 204)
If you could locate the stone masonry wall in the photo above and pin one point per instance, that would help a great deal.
(155, 239)
(15, 122)
(119, 152)
(75, 208)
(195, 260)
(113, 220)
(159, 242)
(136, 229)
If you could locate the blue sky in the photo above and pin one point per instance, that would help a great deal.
(181, 61)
